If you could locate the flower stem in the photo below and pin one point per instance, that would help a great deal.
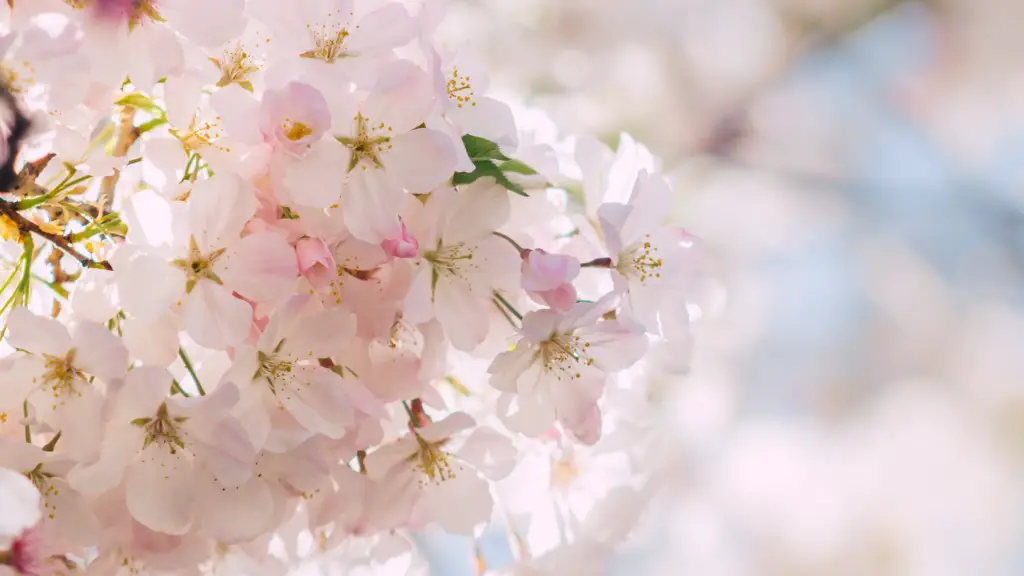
(508, 306)
(598, 263)
(191, 370)
(522, 251)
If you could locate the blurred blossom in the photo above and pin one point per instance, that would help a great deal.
(852, 172)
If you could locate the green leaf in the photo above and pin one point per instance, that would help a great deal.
(486, 168)
(147, 126)
(482, 149)
(140, 101)
(518, 167)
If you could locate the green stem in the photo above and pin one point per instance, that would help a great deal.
(28, 433)
(510, 307)
(191, 370)
(180, 389)
(515, 244)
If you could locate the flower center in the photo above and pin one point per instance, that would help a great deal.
(235, 66)
(162, 429)
(641, 261)
(295, 131)
(565, 354)
(370, 141)
(60, 375)
(199, 135)
(432, 460)
(460, 90)
(197, 265)
(328, 41)
(278, 370)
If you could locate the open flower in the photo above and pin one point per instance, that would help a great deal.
(420, 473)
(461, 263)
(160, 448)
(558, 368)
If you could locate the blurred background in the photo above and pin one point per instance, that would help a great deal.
(855, 404)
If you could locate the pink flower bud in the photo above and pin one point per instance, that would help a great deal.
(404, 246)
(543, 271)
(547, 278)
(316, 263)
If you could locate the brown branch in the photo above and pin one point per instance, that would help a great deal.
(26, 226)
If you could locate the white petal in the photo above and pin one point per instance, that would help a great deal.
(462, 313)
(151, 342)
(20, 501)
(158, 490)
(371, 201)
(316, 179)
(478, 210)
(99, 352)
(36, 334)
(489, 452)
(214, 318)
(262, 267)
(235, 514)
(218, 210)
(148, 286)
(421, 160)
(460, 504)
(92, 297)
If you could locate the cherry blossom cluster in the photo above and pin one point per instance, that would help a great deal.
(282, 270)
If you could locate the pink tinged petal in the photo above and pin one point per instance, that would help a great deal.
(588, 430)
(527, 414)
(509, 366)
(363, 400)
(37, 334)
(261, 267)
(402, 98)
(236, 514)
(218, 210)
(612, 217)
(316, 399)
(539, 325)
(614, 345)
(148, 286)
(372, 199)
(562, 298)
(120, 445)
(460, 504)
(651, 204)
(421, 160)
(72, 514)
(214, 318)
(385, 459)
(388, 27)
(543, 271)
(476, 211)
(448, 427)
(487, 118)
(239, 113)
(321, 334)
(316, 178)
(314, 256)
(81, 424)
(20, 501)
(144, 390)
(227, 453)
(462, 312)
(151, 342)
(491, 453)
(402, 246)
(294, 117)
(99, 352)
(418, 306)
(159, 490)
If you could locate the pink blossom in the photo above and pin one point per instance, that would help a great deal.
(294, 117)
(547, 278)
(316, 263)
(402, 246)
